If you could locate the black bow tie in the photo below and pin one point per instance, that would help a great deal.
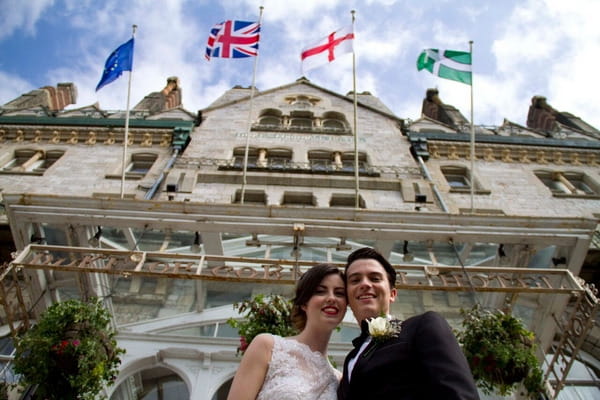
(364, 333)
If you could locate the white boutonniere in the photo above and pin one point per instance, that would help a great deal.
(382, 328)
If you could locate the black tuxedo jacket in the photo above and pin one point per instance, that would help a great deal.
(423, 362)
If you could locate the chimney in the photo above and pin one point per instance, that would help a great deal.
(52, 98)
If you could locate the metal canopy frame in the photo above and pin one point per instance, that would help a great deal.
(82, 216)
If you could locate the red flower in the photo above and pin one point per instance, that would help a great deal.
(243, 344)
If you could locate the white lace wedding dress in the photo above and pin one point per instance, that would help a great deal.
(298, 373)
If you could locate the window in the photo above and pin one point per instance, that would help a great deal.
(321, 160)
(239, 154)
(301, 120)
(279, 158)
(270, 118)
(334, 125)
(301, 123)
(334, 122)
(346, 200)
(140, 165)
(298, 199)
(301, 102)
(251, 197)
(31, 161)
(457, 177)
(348, 162)
(568, 183)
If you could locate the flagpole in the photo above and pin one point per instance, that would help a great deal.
(250, 115)
(356, 174)
(472, 174)
(126, 138)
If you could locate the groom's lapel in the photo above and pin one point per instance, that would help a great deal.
(367, 353)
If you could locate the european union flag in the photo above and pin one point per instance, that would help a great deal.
(119, 60)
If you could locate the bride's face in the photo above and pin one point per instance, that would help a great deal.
(327, 305)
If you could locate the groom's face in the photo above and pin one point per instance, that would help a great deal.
(368, 289)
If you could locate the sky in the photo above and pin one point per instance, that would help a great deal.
(521, 48)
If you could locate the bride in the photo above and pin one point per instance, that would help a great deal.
(297, 367)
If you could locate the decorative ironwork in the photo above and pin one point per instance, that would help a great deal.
(577, 325)
(300, 128)
(237, 269)
(12, 299)
(574, 328)
(305, 167)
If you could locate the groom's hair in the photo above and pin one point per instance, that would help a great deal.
(306, 287)
(372, 254)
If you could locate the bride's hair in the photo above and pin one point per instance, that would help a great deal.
(307, 286)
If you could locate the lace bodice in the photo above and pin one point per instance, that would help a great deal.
(297, 373)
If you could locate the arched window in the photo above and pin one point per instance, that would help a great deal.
(334, 122)
(270, 118)
(301, 101)
(153, 383)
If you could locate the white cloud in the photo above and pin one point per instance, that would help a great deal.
(523, 48)
(547, 49)
(12, 86)
(21, 15)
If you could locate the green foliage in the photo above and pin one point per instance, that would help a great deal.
(500, 352)
(70, 353)
(264, 314)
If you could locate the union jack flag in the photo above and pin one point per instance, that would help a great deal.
(233, 39)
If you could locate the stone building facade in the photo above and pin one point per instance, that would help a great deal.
(237, 199)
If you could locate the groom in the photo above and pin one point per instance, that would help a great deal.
(422, 359)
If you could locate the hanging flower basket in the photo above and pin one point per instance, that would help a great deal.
(264, 314)
(500, 352)
(70, 353)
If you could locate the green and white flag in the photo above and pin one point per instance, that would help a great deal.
(447, 64)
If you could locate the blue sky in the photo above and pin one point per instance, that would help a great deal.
(522, 48)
